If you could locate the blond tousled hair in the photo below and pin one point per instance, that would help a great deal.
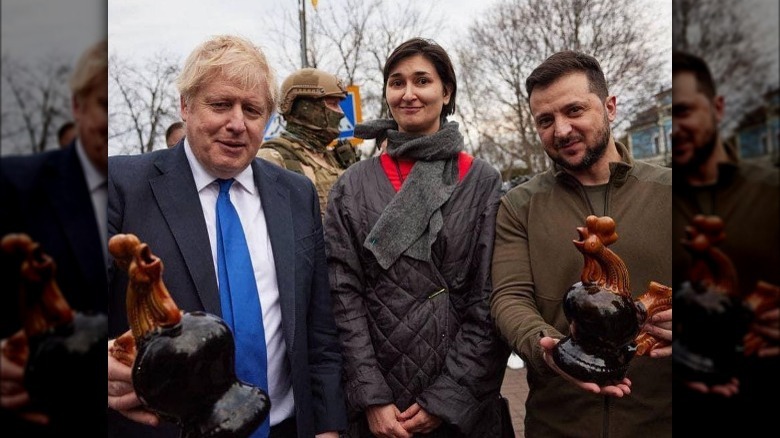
(91, 67)
(233, 58)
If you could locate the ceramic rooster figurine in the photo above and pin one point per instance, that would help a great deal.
(62, 350)
(183, 363)
(714, 331)
(149, 304)
(604, 319)
(712, 322)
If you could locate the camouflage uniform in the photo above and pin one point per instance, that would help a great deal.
(310, 127)
(321, 166)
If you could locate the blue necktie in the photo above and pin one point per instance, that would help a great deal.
(238, 296)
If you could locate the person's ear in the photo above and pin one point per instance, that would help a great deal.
(447, 93)
(75, 105)
(611, 106)
(719, 106)
(183, 108)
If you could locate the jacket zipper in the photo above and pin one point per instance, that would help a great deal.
(433, 295)
(584, 196)
(587, 199)
(605, 417)
(443, 290)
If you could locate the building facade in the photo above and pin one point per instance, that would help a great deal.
(757, 136)
(649, 136)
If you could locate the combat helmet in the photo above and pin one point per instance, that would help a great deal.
(309, 82)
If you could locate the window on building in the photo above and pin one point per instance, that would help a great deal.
(657, 144)
(764, 144)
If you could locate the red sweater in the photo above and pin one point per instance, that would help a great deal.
(405, 166)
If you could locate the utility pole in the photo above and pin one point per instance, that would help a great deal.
(302, 19)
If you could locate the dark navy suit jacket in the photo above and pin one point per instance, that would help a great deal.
(154, 197)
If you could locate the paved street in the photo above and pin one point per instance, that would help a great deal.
(515, 389)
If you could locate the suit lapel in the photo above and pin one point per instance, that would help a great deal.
(278, 217)
(175, 192)
(72, 203)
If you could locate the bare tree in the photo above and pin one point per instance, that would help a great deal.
(353, 38)
(733, 46)
(142, 102)
(342, 29)
(514, 36)
(36, 100)
(390, 30)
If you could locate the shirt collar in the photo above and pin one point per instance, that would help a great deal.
(93, 176)
(203, 178)
(618, 170)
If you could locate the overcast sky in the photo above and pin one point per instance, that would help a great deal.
(137, 28)
(140, 28)
(36, 28)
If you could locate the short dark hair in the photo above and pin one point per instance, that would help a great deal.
(683, 62)
(564, 63)
(433, 53)
(67, 126)
(174, 126)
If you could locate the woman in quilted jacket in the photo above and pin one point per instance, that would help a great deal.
(409, 236)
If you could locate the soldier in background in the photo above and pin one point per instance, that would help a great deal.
(174, 133)
(66, 134)
(309, 103)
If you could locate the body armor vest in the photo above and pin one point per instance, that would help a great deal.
(321, 168)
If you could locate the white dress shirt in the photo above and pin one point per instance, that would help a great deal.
(98, 192)
(245, 197)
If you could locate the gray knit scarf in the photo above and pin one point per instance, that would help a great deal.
(412, 220)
